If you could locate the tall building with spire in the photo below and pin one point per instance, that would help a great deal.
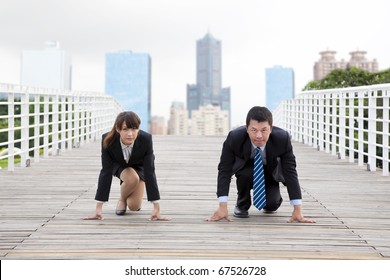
(208, 88)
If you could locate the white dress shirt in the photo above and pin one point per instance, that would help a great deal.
(127, 149)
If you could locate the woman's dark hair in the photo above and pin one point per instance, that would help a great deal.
(260, 114)
(131, 120)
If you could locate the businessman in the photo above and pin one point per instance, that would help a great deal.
(237, 158)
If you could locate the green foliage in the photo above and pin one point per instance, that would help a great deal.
(4, 162)
(382, 77)
(312, 85)
(351, 77)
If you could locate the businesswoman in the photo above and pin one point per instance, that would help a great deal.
(127, 153)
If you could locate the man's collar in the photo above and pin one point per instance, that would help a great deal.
(254, 146)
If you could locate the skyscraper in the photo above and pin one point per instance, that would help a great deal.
(208, 88)
(279, 85)
(128, 80)
(208, 66)
(48, 68)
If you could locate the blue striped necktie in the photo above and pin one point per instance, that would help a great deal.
(258, 181)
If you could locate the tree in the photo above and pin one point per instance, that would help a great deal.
(382, 77)
(350, 77)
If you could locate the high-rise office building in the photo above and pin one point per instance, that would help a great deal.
(208, 88)
(128, 80)
(48, 68)
(279, 85)
(328, 63)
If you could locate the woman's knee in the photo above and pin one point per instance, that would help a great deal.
(134, 202)
(135, 207)
(129, 175)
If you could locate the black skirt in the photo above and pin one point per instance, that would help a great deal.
(137, 168)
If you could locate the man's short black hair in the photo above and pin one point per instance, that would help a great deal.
(260, 114)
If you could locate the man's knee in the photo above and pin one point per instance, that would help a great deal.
(245, 176)
(273, 205)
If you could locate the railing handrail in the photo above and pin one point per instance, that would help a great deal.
(351, 122)
(345, 89)
(50, 120)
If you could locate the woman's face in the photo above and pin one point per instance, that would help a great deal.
(128, 135)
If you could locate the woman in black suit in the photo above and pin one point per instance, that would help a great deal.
(127, 153)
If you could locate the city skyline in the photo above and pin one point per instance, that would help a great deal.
(255, 35)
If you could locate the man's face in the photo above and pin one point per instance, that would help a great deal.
(259, 132)
(128, 135)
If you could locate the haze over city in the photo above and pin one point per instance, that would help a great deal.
(254, 35)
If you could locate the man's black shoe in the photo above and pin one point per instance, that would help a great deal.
(265, 211)
(239, 213)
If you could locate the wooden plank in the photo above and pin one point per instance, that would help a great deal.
(42, 208)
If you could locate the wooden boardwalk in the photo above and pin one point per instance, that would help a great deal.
(42, 206)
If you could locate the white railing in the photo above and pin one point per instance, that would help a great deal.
(37, 122)
(348, 122)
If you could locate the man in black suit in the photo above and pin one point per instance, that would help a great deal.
(237, 159)
(127, 153)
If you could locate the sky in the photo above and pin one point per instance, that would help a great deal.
(255, 35)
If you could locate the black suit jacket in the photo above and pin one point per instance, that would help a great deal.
(141, 159)
(236, 152)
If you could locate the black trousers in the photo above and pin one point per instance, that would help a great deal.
(244, 183)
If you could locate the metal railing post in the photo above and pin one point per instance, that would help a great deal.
(11, 131)
(24, 128)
